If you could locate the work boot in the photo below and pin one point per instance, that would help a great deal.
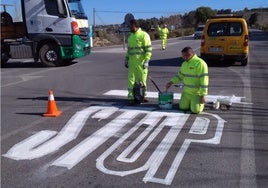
(131, 102)
(145, 100)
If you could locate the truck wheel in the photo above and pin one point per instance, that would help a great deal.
(50, 55)
(4, 58)
(244, 62)
(5, 50)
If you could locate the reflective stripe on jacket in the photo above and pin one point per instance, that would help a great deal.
(194, 76)
(139, 47)
(163, 32)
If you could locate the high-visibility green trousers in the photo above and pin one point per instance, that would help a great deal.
(191, 102)
(136, 73)
(164, 42)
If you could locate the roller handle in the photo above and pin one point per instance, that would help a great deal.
(155, 84)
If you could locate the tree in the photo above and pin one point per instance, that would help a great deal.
(203, 13)
(253, 19)
(224, 11)
(145, 24)
(188, 19)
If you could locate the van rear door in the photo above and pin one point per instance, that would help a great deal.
(216, 42)
(235, 39)
(225, 38)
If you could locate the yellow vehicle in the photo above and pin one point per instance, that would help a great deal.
(225, 38)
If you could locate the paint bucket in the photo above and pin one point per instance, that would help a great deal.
(165, 100)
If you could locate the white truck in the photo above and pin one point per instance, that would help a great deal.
(52, 31)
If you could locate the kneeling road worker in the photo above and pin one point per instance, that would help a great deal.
(194, 76)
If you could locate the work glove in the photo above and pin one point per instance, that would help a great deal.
(126, 63)
(146, 64)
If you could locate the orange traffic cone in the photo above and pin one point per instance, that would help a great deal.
(52, 110)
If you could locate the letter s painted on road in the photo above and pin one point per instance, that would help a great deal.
(46, 142)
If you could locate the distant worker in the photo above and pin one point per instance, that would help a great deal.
(163, 34)
(194, 75)
(137, 59)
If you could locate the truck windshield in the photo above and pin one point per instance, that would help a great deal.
(77, 9)
(200, 28)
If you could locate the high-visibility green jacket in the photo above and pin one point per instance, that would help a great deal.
(139, 47)
(194, 76)
(163, 32)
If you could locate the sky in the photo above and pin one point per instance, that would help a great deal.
(157, 8)
(114, 11)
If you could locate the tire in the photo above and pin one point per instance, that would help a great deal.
(244, 62)
(5, 53)
(50, 56)
(4, 59)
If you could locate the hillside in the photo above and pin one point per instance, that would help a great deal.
(182, 25)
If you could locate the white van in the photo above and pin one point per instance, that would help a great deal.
(199, 31)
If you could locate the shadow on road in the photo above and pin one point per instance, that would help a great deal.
(257, 35)
(176, 62)
(92, 102)
(20, 64)
(76, 99)
(219, 63)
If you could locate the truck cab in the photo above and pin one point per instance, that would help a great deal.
(52, 31)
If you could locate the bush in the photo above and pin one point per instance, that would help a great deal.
(154, 35)
(188, 31)
(177, 33)
(100, 33)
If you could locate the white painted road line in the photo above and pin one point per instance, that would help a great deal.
(177, 96)
(47, 142)
(25, 77)
(200, 126)
(90, 144)
(176, 162)
(39, 144)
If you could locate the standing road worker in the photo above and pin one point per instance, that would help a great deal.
(137, 59)
(163, 33)
(194, 75)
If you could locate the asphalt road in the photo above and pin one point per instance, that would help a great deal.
(98, 141)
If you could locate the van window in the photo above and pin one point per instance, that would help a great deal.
(236, 29)
(225, 29)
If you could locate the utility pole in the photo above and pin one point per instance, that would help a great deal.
(94, 12)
